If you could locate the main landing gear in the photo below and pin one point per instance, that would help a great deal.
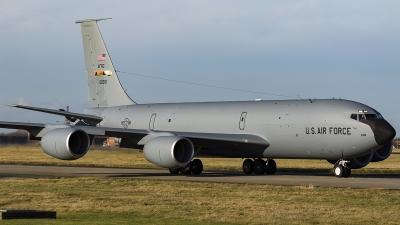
(259, 166)
(194, 167)
(341, 169)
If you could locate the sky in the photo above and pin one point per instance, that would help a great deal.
(279, 49)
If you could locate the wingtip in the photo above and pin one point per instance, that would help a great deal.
(12, 105)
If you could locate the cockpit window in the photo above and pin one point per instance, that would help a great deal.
(378, 115)
(367, 116)
(371, 116)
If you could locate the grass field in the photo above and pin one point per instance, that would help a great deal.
(131, 201)
(93, 200)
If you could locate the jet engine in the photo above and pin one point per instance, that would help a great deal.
(169, 151)
(382, 153)
(360, 162)
(357, 163)
(66, 143)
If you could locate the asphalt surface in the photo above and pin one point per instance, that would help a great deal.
(385, 181)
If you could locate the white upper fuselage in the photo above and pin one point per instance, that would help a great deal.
(293, 128)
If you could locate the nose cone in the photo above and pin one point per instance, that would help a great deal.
(383, 131)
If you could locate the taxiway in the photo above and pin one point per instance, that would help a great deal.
(386, 181)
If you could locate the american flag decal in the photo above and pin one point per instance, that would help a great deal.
(101, 57)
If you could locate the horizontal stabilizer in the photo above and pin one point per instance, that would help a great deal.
(89, 20)
(90, 119)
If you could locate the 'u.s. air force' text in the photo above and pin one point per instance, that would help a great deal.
(329, 130)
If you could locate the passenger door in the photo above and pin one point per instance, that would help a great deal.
(242, 121)
(152, 120)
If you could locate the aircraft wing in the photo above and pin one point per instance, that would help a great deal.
(231, 145)
(207, 141)
(91, 119)
(35, 128)
(22, 126)
(114, 132)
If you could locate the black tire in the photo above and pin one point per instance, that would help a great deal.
(196, 166)
(338, 170)
(347, 172)
(259, 166)
(186, 170)
(248, 166)
(271, 167)
(174, 171)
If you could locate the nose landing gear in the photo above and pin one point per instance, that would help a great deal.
(341, 169)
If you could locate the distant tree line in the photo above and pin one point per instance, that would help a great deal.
(17, 137)
(396, 142)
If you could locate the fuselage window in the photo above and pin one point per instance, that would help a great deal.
(353, 116)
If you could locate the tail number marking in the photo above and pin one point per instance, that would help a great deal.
(102, 81)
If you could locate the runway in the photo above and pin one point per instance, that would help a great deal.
(385, 181)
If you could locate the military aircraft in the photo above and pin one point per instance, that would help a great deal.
(347, 134)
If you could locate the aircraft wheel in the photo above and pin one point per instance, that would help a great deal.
(271, 167)
(339, 170)
(186, 170)
(347, 171)
(248, 166)
(259, 166)
(174, 171)
(196, 166)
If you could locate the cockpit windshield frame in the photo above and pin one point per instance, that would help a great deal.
(363, 114)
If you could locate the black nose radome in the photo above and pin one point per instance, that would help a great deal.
(383, 131)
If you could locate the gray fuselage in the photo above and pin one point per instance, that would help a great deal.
(314, 129)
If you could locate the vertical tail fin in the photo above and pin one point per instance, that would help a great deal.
(104, 87)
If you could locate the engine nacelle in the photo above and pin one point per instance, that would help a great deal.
(360, 162)
(382, 153)
(169, 151)
(356, 163)
(66, 143)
